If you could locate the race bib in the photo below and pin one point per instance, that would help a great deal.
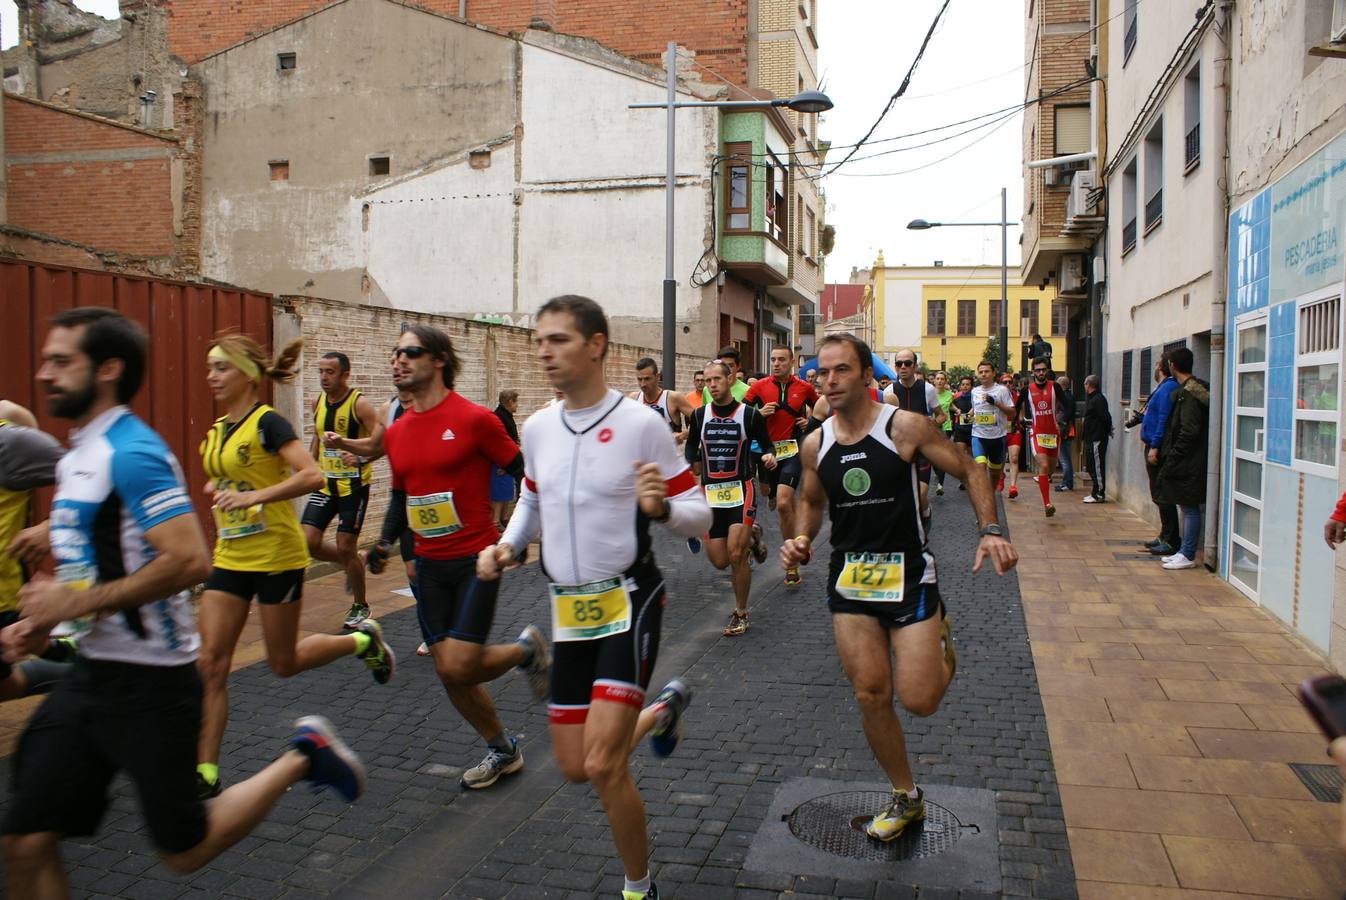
(984, 419)
(724, 495)
(237, 523)
(1047, 441)
(433, 515)
(787, 449)
(79, 577)
(586, 612)
(872, 577)
(334, 467)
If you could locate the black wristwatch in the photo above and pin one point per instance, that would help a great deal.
(992, 530)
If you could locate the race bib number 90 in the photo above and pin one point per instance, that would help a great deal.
(725, 495)
(433, 515)
(586, 612)
(236, 523)
(872, 577)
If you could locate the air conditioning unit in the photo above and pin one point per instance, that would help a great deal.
(1100, 270)
(1081, 185)
(1072, 274)
(1052, 176)
(1338, 21)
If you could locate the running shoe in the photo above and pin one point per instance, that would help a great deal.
(538, 667)
(330, 762)
(651, 894)
(1092, 499)
(738, 623)
(939, 490)
(1179, 562)
(792, 576)
(1013, 492)
(207, 790)
(1164, 550)
(497, 763)
(1149, 545)
(378, 656)
(355, 615)
(900, 812)
(946, 640)
(694, 544)
(1065, 487)
(1050, 510)
(667, 731)
(423, 649)
(757, 546)
(61, 650)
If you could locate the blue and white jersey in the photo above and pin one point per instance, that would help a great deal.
(118, 481)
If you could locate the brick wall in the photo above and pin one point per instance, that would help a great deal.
(492, 357)
(87, 180)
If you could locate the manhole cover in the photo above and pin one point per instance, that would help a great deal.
(835, 823)
(1323, 781)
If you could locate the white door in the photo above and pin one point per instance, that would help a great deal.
(1245, 478)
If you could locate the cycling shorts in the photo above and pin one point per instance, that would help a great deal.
(270, 588)
(322, 508)
(721, 518)
(787, 472)
(991, 450)
(451, 602)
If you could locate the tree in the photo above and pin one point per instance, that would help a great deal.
(957, 372)
(992, 352)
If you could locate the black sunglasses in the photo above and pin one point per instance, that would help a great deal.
(904, 362)
(412, 352)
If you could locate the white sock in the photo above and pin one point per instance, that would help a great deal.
(638, 887)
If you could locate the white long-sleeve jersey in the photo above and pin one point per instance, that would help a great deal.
(579, 488)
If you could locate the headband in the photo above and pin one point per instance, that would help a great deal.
(238, 361)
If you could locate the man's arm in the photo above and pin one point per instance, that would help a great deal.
(809, 502)
(757, 432)
(371, 422)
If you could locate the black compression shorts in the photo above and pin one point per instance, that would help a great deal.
(270, 588)
(787, 472)
(911, 610)
(451, 602)
(322, 508)
(723, 517)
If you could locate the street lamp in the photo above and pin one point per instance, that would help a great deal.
(804, 102)
(1003, 225)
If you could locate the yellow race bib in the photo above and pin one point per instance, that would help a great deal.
(587, 612)
(872, 577)
(237, 523)
(433, 515)
(987, 419)
(333, 466)
(78, 577)
(724, 494)
(787, 449)
(1046, 441)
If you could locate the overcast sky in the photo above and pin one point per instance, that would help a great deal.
(974, 65)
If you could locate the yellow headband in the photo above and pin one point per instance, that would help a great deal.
(238, 361)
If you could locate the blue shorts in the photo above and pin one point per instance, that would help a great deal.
(990, 449)
(502, 487)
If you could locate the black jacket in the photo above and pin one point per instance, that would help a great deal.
(507, 419)
(1097, 418)
(1182, 452)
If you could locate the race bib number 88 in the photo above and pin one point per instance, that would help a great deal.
(433, 515)
(872, 577)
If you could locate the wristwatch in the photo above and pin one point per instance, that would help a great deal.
(992, 530)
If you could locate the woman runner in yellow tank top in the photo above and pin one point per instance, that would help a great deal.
(256, 465)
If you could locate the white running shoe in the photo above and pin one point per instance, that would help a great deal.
(1179, 562)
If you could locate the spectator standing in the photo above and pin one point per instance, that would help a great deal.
(1182, 455)
(1040, 348)
(1095, 433)
(1151, 435)
(504, 486)
(1063, 386)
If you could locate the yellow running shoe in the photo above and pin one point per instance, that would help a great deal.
(900, 812)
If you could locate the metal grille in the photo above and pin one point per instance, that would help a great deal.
(1323, 781)
(1154, 207)
(1129, 236)
(1318, 331)
(1192, 152)
(835, 823)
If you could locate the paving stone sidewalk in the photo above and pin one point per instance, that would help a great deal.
(769, 706)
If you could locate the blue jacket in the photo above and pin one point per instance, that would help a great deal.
(1156, 412)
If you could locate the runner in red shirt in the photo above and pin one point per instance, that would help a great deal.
(442, 452)
(1042, 403)
(787, 403)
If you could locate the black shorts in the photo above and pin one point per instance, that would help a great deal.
(722, 517)
(911, 610)
(615, 668)
(451, 602)
(322, 508)
(962, 435)
(105, 718)
(270, 588)
(787, 472)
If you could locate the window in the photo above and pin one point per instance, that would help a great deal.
(1146, 371)
(1060, 317)
(1154, 176)
(967, 317)
(1028, 318)
(776, 207)
(280, 169)
(1127, 378)
(799, 220)
(813, 234)
(1191, 118)
(934, 318)
(379, 165)
(286, 62)
(1072, 129)
(1317, 383)
(993, 317)
(737, 187)
(1129, 40)
(1130, 189)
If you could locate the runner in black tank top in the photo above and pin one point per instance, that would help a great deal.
(882, 591)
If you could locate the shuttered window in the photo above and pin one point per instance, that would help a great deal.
(1072, 129)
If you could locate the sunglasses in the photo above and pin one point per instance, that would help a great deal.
(412, 352)
(903, 363)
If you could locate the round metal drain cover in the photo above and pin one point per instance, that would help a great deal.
(835, 823)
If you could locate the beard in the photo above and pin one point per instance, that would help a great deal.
(71, 404)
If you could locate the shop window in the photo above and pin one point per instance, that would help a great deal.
(934, 318)
(738, 187)
(1317, 385)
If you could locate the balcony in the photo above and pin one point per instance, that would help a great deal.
(1128, 237)
(1192, 152)
(1154, 210)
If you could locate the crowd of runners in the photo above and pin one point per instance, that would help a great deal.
(137, 670)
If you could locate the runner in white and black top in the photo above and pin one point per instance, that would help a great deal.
(672, 407)
(591, 463)
(882, 591)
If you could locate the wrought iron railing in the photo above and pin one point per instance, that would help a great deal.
(1129, 236)
(1192, 154)
(1154, 209)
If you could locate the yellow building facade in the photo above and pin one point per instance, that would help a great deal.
(946, 313)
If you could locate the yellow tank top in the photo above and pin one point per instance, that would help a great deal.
(262, 538)
(13, 516)
(341, 419)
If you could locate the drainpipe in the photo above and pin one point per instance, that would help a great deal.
(462, 9)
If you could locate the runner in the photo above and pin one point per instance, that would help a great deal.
(1014, 441)
(787, 403)
(1041, 399)
(344, 494)
(132, 702)
(592, 464)
(719, 443)
(256, 465)
(960, 411)
(945, 397)
(442, 453)
(992, 410)
(888, 617)
(672, 408)
(914, 395)
(737, 386)
(693, 397)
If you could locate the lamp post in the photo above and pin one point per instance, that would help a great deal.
(805, 102)
(1003, 224)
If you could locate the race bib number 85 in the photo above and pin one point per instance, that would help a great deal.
(586, 612)
(872, 577)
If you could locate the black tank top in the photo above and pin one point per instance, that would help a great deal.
(911, 398)
(873, 502)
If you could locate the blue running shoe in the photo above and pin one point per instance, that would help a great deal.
(667, 730)
(694, 544)
(330, 762)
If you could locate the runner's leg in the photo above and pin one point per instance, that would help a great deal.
(347, 548)
(922, 672)
(33, 865)
(607, 743)
(863, 646)
(739, 537)
(220, 619)
(280, 630)
(1046, 462)
(462, 667)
